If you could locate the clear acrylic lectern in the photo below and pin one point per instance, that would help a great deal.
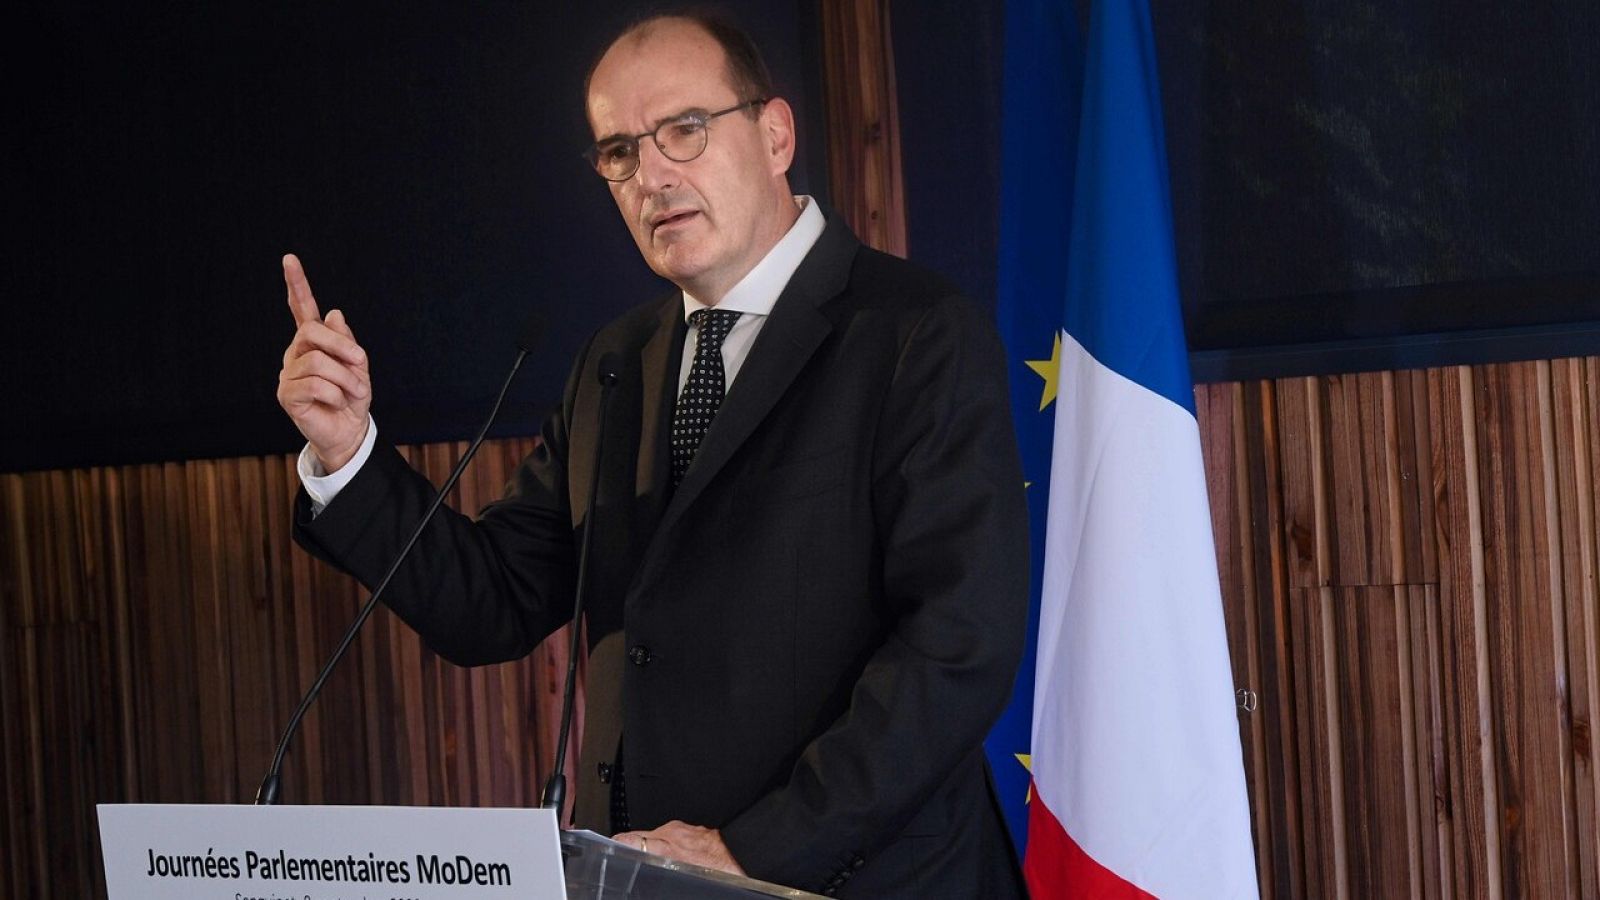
(601, 869)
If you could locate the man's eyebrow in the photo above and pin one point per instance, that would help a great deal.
(620, 136)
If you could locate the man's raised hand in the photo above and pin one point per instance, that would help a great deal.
(324, 385)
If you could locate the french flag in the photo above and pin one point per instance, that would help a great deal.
(1128, 724)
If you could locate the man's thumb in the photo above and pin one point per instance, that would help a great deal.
(335, 320)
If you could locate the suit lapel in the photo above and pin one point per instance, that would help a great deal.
(658, 364)
(787, 341)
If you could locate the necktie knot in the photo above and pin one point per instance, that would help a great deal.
(713, 326)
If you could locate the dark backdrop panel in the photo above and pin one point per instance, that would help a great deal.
(1334, 146)
(422, 159)
(948, 74)
(1383, 179)
(1354, 187)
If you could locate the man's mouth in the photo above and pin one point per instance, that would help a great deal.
(670, 219)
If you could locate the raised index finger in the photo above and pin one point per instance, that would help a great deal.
(301, 302)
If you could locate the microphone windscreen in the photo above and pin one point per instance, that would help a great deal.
(532, 330)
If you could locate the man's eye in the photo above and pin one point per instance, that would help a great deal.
(616, 152)
(687, 127)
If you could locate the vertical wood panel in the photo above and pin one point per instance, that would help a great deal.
(15, 718)
(1300, 442)
(1222, 404)
(863, 119)
(1370, 657)
(1442, 662)
(1434, 858)
(1534, 772)
(158, 628)
(1415, 465)
(1270, 539)
(1346, 480)
(1573, 403)
(1461, 588)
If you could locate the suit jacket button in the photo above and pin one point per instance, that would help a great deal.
(605, 773)
(640, 655)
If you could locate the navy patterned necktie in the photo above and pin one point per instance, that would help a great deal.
(702, 393)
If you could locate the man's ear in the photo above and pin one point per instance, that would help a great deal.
(777, 127)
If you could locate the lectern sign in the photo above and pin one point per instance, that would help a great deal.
(329, 853)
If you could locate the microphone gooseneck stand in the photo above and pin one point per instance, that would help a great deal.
(555, 790)
(267, 794)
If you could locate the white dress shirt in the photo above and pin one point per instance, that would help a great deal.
(754, 297)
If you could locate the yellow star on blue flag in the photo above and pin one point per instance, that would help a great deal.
(1050, 371)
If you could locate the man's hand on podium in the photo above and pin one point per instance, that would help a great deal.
(324, 385)
(685, 843)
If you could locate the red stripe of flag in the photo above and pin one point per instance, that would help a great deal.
(1058, 869)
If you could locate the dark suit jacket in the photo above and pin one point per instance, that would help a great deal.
(804, 643)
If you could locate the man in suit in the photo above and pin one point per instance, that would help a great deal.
(810, 544)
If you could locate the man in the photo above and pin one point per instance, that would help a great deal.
(809, 583)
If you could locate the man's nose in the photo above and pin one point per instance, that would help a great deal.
(657, 171)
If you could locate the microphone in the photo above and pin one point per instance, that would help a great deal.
(267, 794)
(555, 790)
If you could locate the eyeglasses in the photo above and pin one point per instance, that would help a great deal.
(680, 139)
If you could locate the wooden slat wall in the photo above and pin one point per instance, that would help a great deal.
(864, 170)
(158, 628)
(1409, 563)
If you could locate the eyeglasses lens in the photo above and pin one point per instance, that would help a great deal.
(680, 140)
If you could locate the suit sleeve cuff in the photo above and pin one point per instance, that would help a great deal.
(322, 486)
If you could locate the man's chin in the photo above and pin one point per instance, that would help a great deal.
(677, 267)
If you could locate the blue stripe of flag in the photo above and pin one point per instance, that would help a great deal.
(1042, 72)
(1122, 283)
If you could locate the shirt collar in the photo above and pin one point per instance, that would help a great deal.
(758, 290)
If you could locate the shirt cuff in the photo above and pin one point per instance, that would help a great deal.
(322, 486)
